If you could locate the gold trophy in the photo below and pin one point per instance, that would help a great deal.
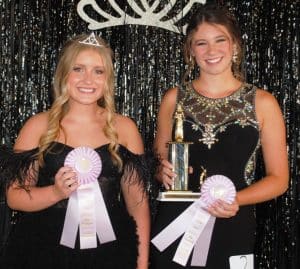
(179, 157)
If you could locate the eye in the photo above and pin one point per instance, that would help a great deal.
(200, 43)
(219, 40)
(99, 71)
(77, 69)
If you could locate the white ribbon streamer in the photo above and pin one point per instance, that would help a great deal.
(191, 223)
(192, 233)
(86, 208)
(200, 252)
(196, 223)
(87, 218)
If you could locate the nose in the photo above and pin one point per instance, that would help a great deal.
(211, 49)
(88, 76)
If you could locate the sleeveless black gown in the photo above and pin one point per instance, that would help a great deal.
(34, 240)
(225, 133)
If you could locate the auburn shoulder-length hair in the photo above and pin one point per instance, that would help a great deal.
(214, 14)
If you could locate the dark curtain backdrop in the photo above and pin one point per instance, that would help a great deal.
(148, 60)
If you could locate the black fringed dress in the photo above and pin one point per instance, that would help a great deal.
(225, 136)
(33, 242)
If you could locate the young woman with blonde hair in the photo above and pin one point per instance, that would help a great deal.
(41, 185)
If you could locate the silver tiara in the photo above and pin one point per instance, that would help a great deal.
(91, 40)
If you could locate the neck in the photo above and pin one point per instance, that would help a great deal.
(214, 86)
(84, 113)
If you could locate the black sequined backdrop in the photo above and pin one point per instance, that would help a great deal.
(148, 60)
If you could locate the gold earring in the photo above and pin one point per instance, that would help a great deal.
(191, 60)
(235, 55)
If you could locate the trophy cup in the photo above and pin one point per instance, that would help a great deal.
(179, 157)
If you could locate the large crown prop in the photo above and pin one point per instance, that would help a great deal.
(146, 13)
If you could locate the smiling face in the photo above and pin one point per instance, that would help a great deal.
(87, 78)
(212, 47)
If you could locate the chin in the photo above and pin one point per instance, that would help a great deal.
(216, 70)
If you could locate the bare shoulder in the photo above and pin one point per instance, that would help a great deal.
(267, 107)
(124, 120)
(168, 102)
(263, 97)
(128, 133)
(170, 95)
(265, 102)
(31, 132)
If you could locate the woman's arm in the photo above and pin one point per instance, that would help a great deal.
(134, 195)
(138, 208)
(165, 122)
(38, 198)
(164, 135)
(273, 140)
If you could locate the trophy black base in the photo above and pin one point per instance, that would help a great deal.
(178, 196)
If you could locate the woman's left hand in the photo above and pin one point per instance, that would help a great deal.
(221, 209)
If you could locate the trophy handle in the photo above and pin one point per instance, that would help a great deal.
(202, 177)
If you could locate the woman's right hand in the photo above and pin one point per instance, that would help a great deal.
(221, 209)
(166, 174)
(65, 182)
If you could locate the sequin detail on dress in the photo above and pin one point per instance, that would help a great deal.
(214, 115)
(208, 117)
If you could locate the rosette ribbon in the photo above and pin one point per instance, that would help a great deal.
(195, 223)
(86, 207)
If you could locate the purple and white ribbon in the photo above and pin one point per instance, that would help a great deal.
(86, 206)
(195, 223)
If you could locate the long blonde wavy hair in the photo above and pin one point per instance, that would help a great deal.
(60, 105)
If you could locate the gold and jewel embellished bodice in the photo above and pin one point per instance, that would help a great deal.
(225, 134)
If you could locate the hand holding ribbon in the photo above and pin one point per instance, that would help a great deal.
(86, 206)
(196, 223)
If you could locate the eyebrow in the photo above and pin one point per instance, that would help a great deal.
(215, 37)
(96, 66)
(222, 36)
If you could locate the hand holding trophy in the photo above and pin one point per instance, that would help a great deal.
(179, 157)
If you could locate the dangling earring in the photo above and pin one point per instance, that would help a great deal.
(235, 55)
(191, 60)
(191, 66)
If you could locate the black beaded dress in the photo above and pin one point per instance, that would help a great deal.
(225, 136)
(33, 242)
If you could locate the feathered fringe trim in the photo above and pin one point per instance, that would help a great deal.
(17, 166)
(140, 169)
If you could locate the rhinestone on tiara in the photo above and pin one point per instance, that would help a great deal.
(91, 40)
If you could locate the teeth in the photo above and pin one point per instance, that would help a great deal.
(213, 60)
(86, 90)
